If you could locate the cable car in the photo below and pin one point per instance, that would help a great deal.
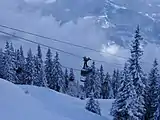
(85, 72)
(86, 69)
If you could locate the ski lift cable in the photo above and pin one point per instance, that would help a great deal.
(64, 42)
(28, 40)
(61, 41)
(72, 54)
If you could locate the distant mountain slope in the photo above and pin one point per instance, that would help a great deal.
(122, 16)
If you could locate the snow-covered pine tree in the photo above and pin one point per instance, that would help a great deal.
(13, 63)
(102, 76)
(9, 63)
(89, 82)
(20, 65)
(87, 86)
(115, 82)
(49, 70)
(125, 106)
(66, 78)
(40, 77)
(1, 64)
(39, 54)
(71, 75)
(135, 69)
(105, 87)
(152, 93)
(72, 85)
(6, 60)
(93, 105)
(58, 75)
(17, 54)
(111, 95)
(93, 83)
(29, 68)
(97, 85)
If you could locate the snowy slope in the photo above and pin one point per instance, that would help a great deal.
(16, 105)
(67, 106)
(44, 104)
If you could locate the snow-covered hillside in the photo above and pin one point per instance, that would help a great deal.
(33, 103)
(17, 105)
(66, 106)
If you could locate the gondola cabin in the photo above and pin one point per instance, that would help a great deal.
(86, 72)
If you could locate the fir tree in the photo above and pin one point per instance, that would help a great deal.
(9, 63)
(20, 66)
(71, 75)
(1, 64)
(93, 83)
(105, 87)
(111, 95)
(135, 69)
(72, 85)
(89, 82)
(40, 77)
(66, 78)
(87, 86)
(29, 68)
(17, 54)
(125, 106)
(102, 79)
(49, 70)
(39, 53)
(152, 93)
(93, 105)
(97, 85)
(115, 82)
(58, 75)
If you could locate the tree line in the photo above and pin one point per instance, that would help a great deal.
(136, 94)
(33, 70)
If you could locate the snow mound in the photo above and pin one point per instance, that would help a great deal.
(66, 106)
(15, 104)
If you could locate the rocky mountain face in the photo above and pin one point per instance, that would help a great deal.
(118, 18)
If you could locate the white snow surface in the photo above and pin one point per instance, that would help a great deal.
(17, 105)
(44, 104)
